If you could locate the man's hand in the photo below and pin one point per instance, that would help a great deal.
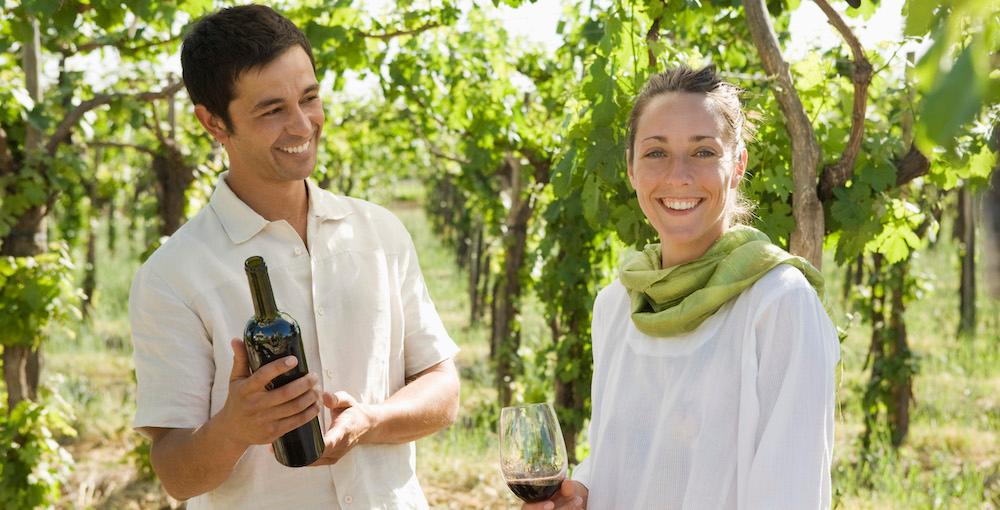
(254, 415)
(571, 495)
(349, 422)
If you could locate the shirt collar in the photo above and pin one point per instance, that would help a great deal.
(242, 223)
(324, 205)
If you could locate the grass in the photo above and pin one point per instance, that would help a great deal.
(951, 458)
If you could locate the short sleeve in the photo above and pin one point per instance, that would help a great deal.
(173, 356)
(425, 340)
(797, 352)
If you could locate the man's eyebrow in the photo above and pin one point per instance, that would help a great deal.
(271, 101)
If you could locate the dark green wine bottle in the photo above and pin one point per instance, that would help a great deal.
(272, 335)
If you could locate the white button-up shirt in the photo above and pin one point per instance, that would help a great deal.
(367, 324)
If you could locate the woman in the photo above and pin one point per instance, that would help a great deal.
(713, 357)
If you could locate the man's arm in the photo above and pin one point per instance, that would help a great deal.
(190, 462)
(426, 404)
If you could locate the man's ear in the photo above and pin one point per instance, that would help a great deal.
(212, 123)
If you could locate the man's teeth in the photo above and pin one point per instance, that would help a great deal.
(295, 150)
(680, 205)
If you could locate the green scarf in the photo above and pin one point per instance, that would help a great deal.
(674, 300)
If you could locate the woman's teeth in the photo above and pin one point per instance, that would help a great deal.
(680, 205)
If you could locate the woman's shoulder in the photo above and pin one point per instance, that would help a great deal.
(784, 284)
(611, 296)
(781, 280)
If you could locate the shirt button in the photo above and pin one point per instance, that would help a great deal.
(348, 499)
(319, 311)
(298, 251)
(329, 373)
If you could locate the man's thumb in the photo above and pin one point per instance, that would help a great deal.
(241, 365)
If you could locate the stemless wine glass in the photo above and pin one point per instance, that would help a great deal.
(532, 452)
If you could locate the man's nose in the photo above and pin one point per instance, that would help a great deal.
(299, 123)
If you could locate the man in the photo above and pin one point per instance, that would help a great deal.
(379, 357)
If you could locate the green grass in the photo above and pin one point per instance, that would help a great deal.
(951, 458)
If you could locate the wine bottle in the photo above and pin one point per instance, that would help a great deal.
(271, 335)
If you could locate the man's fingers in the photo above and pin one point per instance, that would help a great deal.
(268, 372)
(241, 363)
(290, 391)
(291, 423)
(339, 400)
(296, 405)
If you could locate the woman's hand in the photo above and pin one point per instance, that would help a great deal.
(571, 495)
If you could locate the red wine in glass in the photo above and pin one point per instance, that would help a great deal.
(532, 452)
(531, 490)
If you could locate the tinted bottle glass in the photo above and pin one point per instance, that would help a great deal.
(271, 335)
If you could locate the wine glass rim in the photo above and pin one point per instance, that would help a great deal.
(523, 406)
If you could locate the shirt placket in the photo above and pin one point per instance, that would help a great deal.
(321, 316)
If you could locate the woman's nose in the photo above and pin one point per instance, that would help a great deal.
(676, 171)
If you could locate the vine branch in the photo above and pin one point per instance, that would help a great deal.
(807, 237)
(838, 173)
(6, 158)
(115, 42)
(652, 36)
(914, 164)
(119, 145)
(399, 33)
(62, 132)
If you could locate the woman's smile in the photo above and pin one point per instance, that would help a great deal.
(680, 206)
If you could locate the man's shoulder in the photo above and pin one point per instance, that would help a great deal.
(192, 235)
(190, 247)
(368, 215)
(361, 207)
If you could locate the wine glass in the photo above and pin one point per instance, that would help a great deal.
(532, 452)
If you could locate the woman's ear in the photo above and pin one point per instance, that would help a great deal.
(740, 167)
(628, 165)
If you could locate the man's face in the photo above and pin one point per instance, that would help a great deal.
(277, 118)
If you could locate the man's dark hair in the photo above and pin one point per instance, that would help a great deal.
(224, 45)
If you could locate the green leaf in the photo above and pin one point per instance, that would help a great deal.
(954, 100)
(880, 175)
(981, 164)
(919, 17)
(591, 198)
(893, 246)
(196, 7)
(42, 8)
(866, 10)
(563, 176)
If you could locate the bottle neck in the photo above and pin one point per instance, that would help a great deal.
(264, 308)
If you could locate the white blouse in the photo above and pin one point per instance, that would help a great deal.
(737, 414)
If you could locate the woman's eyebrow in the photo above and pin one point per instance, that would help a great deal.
(693, 138)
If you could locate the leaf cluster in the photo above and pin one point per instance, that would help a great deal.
(34, 291)
(34, 465)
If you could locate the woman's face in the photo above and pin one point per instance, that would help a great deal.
(684, 171)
